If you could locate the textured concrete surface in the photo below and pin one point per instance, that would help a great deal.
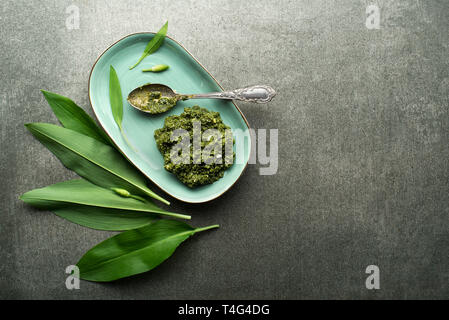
(363, 153)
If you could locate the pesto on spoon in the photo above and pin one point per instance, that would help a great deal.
(154, 98)
(158, 98)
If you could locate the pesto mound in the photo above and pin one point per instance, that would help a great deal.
(196, 174)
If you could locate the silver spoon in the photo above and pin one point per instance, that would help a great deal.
(158, 98)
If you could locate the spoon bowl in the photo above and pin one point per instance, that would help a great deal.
(153, 94)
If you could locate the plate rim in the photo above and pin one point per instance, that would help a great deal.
(123, 153)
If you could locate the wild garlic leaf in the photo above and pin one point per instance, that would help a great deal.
(154, 44)
(135, 251)
(77, 194)
(115, 97)
(73, 117)
(91, 159)
(104, 218)
(116, 100)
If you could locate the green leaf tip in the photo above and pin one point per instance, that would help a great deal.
(73, 117)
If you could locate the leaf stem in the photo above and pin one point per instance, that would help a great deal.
(132, 67)
(126, 140)
(138, 198)
(176, 215)
(206, 228)
(155, 196)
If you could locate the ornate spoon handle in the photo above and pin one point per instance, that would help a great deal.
(258, 94)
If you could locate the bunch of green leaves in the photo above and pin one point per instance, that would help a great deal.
(112, 195)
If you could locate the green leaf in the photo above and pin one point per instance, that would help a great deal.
(104, 218)
(115, 97)
(91, 159)
(61, 197)
(154, 44)
(73, 117)
(116, 101)
(135, 251)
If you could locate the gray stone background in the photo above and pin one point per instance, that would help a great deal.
(363, 152)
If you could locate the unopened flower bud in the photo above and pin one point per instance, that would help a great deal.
(122, 192)
(157, 68)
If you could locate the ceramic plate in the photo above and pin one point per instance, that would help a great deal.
(186, 75)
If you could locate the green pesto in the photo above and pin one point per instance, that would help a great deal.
(156, 103)
(152, 101)
(154, 98)
(192, 174)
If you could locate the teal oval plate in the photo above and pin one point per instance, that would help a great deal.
(185, 75)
